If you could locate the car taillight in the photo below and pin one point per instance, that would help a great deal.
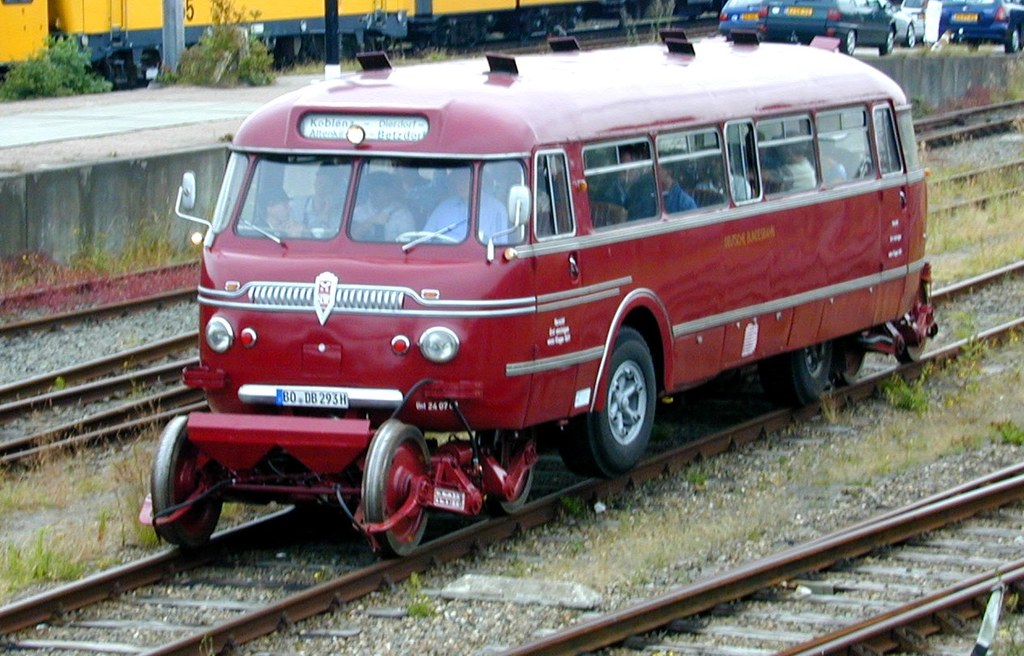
(1001, 16)
(723, 17)
(763, 13)
(834, 14)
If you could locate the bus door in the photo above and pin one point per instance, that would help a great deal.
(558, 326)
(895, 231)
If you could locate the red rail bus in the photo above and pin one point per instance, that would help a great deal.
(413, 276)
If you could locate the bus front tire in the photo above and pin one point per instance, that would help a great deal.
(610, 441)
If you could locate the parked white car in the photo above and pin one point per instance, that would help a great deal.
(910, 22)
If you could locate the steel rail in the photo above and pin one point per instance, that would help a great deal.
(29, 449)
(964, 595)
(974, 283)
(111, 422)
(977, 201)
(100, 366)
(130, 305)
(110, 583)
(97, 389)
(28, 295)
(748, 579)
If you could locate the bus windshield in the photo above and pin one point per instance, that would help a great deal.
(376, 200)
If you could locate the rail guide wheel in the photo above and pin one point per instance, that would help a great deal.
(396, 460)
(505, 448)
(179, 473)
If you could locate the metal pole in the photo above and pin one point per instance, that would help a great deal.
(332, 63)
(173, 33)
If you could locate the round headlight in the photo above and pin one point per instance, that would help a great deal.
(219, 335)
(439, 344)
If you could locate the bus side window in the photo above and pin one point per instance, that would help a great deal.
(741, 149)
(691, 170)
(885, 140)
(496, 179)
(844, 146)
(906, 125)
(553, 210)
(620, 182)
(787, 154)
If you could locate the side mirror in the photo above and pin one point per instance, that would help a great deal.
(187, 192)
(519, 208)
(187, 199)
(519, 217)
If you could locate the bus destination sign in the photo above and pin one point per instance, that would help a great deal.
(376, 128)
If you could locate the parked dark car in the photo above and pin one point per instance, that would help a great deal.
(853, 22)
(739, 15)
(983, 21)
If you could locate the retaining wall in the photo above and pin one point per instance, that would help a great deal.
(102, 205)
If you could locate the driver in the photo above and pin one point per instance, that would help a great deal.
(379, 216)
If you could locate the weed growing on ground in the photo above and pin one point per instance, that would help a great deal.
(226, 55)
(906, 395)
(573, 506)
(44, 559)
(1009, 432)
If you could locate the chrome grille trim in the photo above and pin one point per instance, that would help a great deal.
(346, 297)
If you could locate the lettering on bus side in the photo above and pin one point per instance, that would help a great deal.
(749, 237)
(559, 333)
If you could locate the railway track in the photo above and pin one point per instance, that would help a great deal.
(980, 200)
(265, 611)
(884, 585)
(94, 297)
(950, 127)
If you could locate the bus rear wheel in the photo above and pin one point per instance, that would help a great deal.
(610, 442)
(397, 458)
(798, 377)
(178, 474)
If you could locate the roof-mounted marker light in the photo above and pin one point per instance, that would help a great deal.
(355, 134)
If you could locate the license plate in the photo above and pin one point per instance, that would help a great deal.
(312, 398)
(799, 11)
(749, 16)
(965, 18)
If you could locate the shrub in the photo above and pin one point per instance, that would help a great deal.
(226, 55)
(59, 69)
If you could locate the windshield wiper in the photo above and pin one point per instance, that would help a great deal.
(269, 235)
(427, 236)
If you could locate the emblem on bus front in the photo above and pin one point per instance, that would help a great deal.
(323, 302)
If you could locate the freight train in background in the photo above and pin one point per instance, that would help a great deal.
(124, 37)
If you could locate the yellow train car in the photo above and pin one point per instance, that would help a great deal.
(124, 37)
(23, 29)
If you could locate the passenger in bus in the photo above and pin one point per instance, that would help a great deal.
(832, 169)
(379, 215)
(633, 187)
(797, 171)
(278, 217)
(321, 212)
(675, 198)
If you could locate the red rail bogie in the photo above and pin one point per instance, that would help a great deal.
(574, 285)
